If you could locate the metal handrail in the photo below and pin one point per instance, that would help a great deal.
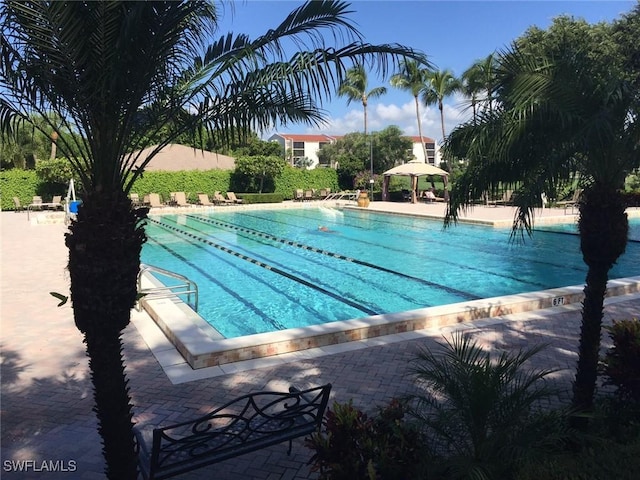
(187, 287)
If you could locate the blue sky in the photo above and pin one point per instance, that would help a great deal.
(452, 33)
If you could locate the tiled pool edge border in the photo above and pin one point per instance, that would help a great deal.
(202, 347)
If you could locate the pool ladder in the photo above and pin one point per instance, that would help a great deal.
(185, 287)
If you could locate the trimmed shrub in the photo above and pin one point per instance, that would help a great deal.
(190, 182)
(295, 178)
(354, 446)
(621, 363)
(23, 184)
(249, 198)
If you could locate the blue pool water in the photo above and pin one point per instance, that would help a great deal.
(260, 271)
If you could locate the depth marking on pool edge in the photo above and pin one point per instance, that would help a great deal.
(446, 288)
(266, 266)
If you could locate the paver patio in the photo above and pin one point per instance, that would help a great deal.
(46, 402)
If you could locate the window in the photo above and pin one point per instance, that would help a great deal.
(431, 153)
(298, 149)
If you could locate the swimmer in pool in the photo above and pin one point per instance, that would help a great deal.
(323, 228)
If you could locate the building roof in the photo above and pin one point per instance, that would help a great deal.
(416, 139)
(306, 137)
(175, 157)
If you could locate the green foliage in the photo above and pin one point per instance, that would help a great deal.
(353, 153)
(621, 363)
(23, 184)
(248, 198)
(293, 178)
(255, 146)
(58, 170)
(356, 447)
(477, 410)
(258, 171)
(191, 182)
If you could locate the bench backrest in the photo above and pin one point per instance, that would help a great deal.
(243, 425)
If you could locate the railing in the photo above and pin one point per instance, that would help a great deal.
(186, 287)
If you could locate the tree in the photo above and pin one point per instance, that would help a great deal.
(115, 73)
(354, 87)
(440, 84)
(563, 107)
(412, 77)
(260, 168)
(478, 83)
(350, 152)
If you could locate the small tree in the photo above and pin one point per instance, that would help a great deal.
(260, 168)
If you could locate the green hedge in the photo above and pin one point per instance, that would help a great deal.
(295, 178)
(23, 184)
(191, 182)
(248, 198)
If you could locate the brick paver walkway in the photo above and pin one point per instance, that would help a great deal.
(47, 397)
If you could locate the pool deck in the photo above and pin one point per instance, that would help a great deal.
(46, 394)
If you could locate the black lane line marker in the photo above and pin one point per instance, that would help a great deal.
(259, 313)
(302, 281)
(480, 248)
(310, 310)
(257, 233)
(314, 260)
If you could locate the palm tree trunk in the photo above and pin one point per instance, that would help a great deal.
(104, 258)
(603, 228)
(424, 149)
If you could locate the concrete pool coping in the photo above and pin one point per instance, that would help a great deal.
(202, 347)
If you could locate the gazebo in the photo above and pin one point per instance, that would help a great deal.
(412, 169)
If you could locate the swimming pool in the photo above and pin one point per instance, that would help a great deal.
(270, 270)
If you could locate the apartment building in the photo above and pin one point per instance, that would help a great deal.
(301, 146)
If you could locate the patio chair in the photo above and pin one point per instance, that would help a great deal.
(571, 203)
(56, 202)
(154, 200)
(506, 199)
(308, 195)
(220, 200)
(180, 198)
(135, 199)
(298, 195)
(36, 202)
(18, 206)
(203, 199)
(232, 196)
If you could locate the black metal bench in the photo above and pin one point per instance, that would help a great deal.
(243, 425)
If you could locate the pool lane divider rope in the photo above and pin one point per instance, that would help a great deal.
(266, 266)
(257, 233)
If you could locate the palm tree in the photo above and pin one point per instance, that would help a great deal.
(440, 84)
(354, 87)
(566, 111)
(412, 77)
(118, 72)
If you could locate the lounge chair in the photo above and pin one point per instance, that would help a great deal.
(506, 199)
(232, 196)
(36, 202)
(203, 199)
(56, 202)
(135, 199)
(324, 193)
(298, 195)
(18, 206)
(308, 195)
(220, 200)
(573, 202)
(180, 199)
(154, 200)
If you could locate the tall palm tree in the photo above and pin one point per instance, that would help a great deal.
(564, 111)
(354, 87)
(412, 77)
(440, 84)
(118, 72)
